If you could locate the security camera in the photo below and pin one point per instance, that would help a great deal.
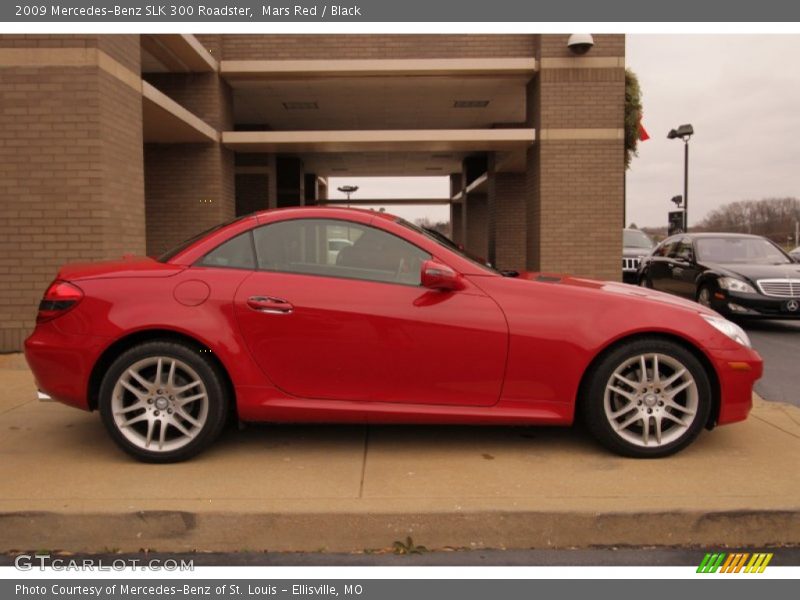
(580, 43)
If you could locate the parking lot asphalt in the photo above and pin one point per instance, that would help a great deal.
(65, 486)
(778, 342)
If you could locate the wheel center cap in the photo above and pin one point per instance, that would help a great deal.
(161, 403)
(650, 400)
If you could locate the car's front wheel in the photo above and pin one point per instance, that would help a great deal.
(163, 401)
(647, 399)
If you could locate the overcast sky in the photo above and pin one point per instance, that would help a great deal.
(740, 92)
(742, 95)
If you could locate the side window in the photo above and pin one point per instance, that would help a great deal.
(335, 248)
(236, 253)
(670, 248)
(665, 248)
(684, 250)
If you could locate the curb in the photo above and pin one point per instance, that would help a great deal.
(179, 531)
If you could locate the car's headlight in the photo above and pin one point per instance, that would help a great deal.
(732, 330)
(735, 285)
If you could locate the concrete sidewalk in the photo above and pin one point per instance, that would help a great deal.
(65, 486)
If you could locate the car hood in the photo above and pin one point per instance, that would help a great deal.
(634, 252)
(128, 266)
(633, 292)
(754, 272)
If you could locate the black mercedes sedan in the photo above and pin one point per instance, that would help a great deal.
(737, 275)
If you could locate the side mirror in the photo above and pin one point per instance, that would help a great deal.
(436, 276)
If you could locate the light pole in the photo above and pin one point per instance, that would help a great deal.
(348, 189)
(684, 132)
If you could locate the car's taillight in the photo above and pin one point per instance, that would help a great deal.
(59, 298)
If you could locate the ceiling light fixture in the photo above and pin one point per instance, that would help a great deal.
(470, 104)
(300, 105)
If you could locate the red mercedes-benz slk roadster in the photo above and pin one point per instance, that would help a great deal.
(342, 315)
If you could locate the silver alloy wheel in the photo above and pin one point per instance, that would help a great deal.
(159, 404)
(651, 400)
(704, 297)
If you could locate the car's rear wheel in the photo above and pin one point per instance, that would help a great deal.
(163, 401)
(647, 399)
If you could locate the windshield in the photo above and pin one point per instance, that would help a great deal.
(445, 241)
(740, 250)
(633, 238)
(174, 251)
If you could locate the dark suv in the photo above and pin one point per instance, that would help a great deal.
(636, 244)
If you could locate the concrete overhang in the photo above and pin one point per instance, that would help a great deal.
(424, 140)
(434, 67)
(167, 122)
(176, 53)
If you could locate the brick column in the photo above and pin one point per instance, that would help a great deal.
(290, 181)
(474, 211)
(507, 218)
(252, 182)
(456, 186)
(311, 189)
(478, 225)
(576, 169)
(71, 178)
(190, 187)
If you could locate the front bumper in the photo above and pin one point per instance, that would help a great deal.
(738, 370)
(737, 304)
(630, 276)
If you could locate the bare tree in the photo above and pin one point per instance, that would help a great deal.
(773, 218)
(442, 227)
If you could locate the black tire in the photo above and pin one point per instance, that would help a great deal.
(707, 289)
(214, 404)
(593, 399)
(644, 281)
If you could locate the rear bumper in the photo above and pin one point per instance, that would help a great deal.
(62, 363)
(737, 370)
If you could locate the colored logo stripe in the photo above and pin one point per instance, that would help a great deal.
(711, 563)
(734, 563)
(758, 563)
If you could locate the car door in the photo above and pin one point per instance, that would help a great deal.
(684, 270)
(358, 325)
(660, 265)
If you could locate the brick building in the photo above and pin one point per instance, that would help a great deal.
(113, 144)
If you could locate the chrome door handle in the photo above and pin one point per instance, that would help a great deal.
(270, 304)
